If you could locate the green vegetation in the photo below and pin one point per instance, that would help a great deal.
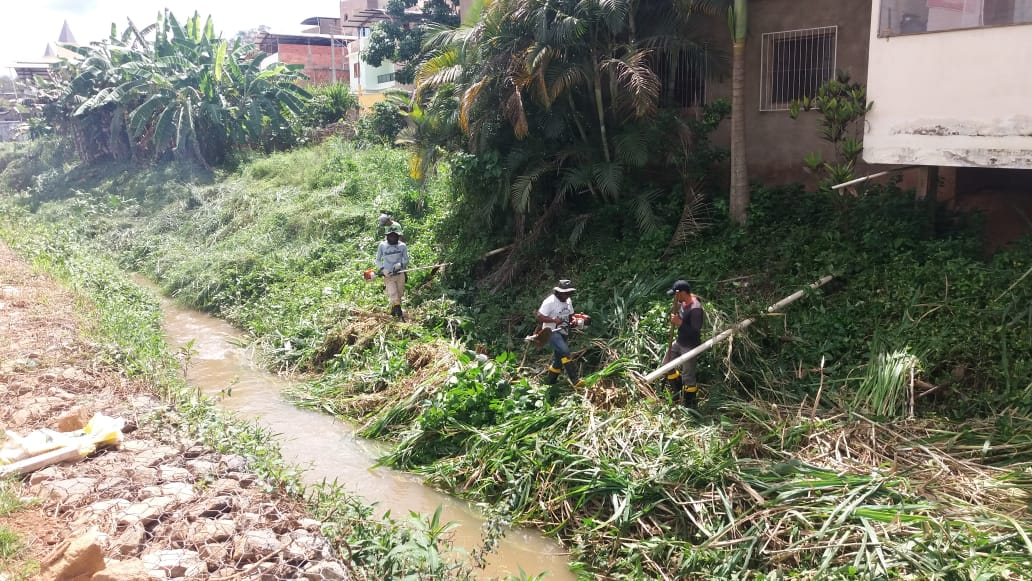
(399, 37)
(842, 104)
(557, 119)
(172, 89)
(814, 454)
(124, 320)
(877, 428)
(12, 546)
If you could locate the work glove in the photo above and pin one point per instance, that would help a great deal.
(397, 268)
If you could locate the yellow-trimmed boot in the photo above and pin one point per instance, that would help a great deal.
(674, 385)
(689, 395)
(552, 374)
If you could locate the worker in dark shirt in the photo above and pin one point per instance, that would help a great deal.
(687, 317)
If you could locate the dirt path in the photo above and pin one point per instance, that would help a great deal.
(160, 506)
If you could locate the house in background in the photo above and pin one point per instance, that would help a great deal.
(368, 82)
(793, 47)
(952, 108)
(54, 54)
(952, 96)
(321, 50)
(26, 74)
(330, 50)
(357, 18)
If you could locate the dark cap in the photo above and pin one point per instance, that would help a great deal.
(681, 285)
(564, 286)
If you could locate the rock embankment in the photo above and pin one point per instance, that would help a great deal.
(161, 505)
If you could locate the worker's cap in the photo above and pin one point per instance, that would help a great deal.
(384, 219)
(394, 230)
(680, 285)
(564, 286)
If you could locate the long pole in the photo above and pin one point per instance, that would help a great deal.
(872, 176)
(424, 267)
(662, 371)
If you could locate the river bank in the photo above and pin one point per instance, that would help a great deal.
(163, 503)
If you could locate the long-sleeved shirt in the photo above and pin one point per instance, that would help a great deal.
(689, 333)
(388, 255)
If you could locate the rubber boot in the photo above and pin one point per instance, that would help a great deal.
(401, 314)
(571, 372)
(675, 386)
(397, 314)
(689, 395)
(552, 375)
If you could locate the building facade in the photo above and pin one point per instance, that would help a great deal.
(370, 83)
(951, 97)
(793, 47)
(321, 50)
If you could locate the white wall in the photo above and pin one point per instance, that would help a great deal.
(957, 98)
(366, 81)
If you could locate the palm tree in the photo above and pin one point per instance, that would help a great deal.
(566, 94)
(738, 21)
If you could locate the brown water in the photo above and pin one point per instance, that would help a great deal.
(329, 449)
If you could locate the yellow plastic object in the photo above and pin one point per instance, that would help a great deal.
(104, 430)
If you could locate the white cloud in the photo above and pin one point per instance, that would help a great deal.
(26, 30)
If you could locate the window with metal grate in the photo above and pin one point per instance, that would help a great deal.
(794, 64)
(682, 77)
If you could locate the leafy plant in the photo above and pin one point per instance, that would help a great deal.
(842, 104)
(173, 89)
(886, 389)
(382, 124)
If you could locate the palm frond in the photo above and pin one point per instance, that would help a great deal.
(523, 186)
(633, 73)
(608, 178)
(644, 204)
(515, 112)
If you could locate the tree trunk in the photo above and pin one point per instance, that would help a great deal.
(599, 105)
(739, 172)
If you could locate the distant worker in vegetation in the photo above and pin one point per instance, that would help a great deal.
(555, 315)
(687, 318)
(391, 258)
(387, 221)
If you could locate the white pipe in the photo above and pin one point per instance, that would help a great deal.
(872, 176)
(728, 332)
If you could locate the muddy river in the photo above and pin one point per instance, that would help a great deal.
(328, 448)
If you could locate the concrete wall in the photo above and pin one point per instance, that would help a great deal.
(954, 98)
(777, 144)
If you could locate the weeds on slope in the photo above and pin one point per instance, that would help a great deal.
(128, 328)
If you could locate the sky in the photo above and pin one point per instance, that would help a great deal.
(28, 25)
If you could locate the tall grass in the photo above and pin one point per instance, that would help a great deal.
(127, 327)
(811, 456)
(887, 387)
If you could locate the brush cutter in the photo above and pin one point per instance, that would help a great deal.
(541, 336)
(372, 273)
